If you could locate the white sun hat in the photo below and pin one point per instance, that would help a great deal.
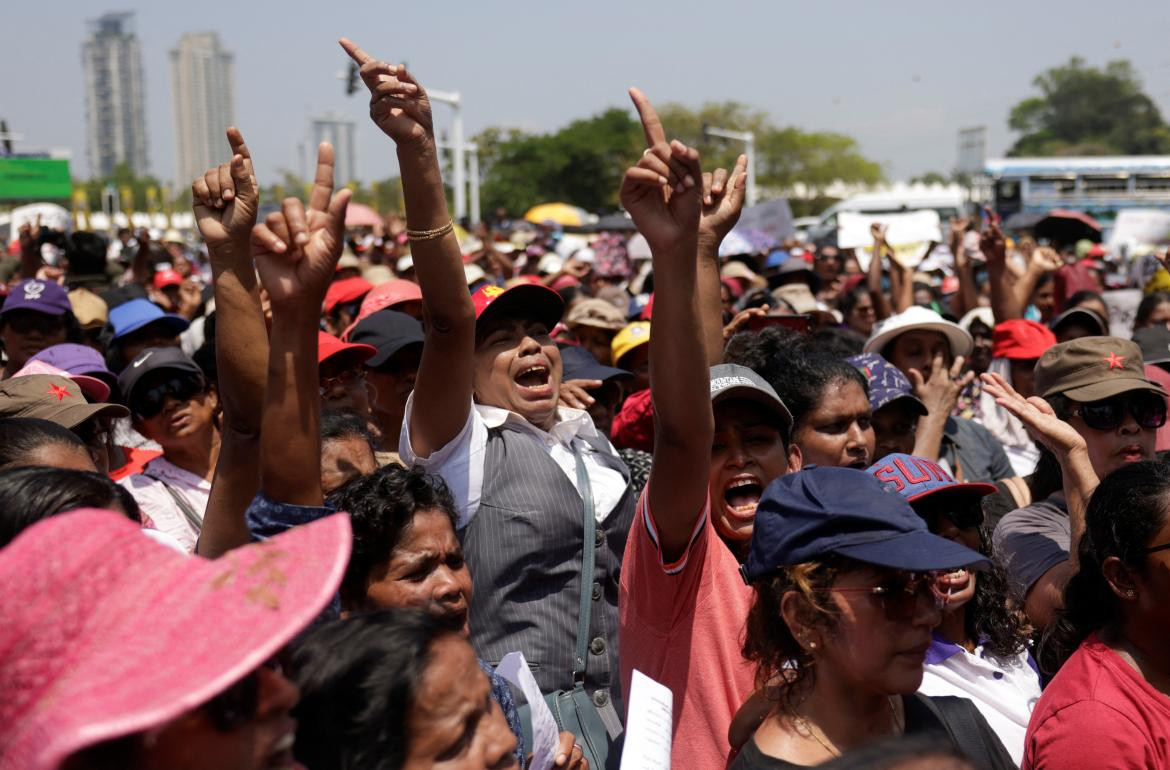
(919, 318)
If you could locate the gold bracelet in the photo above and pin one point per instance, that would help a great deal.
(430, 235)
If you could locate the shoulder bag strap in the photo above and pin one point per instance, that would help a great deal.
(588, 528)
(193, 518)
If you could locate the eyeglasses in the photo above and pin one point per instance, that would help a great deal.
(237, 705)
(31, 320)
(899, 593)
(347, 379)
(1147, 409)
(1156, 548)
(150, 403)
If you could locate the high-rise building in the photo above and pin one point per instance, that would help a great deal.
(338, 131)
(203, 88)
(115, 110)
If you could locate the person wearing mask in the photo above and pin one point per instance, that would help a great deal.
(1108, 704)
(100, 705)
(826, 395)
(36, 314)
(1093, 411)
(844, 601)
(391, 371)
(172, 403)
(924, 345)
(980, 649)
(484, 415)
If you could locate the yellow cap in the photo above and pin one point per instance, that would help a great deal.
(637, 333)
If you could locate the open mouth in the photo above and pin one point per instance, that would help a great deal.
(1132, 453)
(281, 757)
(534, 378)
(952, 582)
(742, 495)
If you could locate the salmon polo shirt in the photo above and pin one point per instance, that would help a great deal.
(682, 624)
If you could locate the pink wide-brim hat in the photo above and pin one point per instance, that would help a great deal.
(105, 633)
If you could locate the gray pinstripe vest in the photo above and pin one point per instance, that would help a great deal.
(523, 547)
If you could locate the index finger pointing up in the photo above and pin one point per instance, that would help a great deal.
(323, 181)
(236, 140)
(355, 53)
(651, 125)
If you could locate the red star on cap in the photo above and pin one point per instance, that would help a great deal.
(1115, 361)
(60, 391)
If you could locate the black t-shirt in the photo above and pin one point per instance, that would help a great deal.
(923, 720)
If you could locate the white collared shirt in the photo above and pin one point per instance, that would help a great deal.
(461, 461)
(1004, 691)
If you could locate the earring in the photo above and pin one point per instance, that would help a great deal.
(812, 645)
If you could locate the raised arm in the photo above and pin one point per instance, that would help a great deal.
(225, 200)
(1040, 261)
(873, 277)
(967, 296)
(296, 252)
(663, 194)
(1046, 595)
(1004, 303)
(443, 389)
(723, 198)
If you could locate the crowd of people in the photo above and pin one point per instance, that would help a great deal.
(285, 495)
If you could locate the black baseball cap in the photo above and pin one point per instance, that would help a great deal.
(389, 331)
(151, 360)
(815, 512)
(579, 364)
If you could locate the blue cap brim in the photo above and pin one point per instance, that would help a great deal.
(178, 323)
(915, 552)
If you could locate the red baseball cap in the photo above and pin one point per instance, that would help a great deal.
(1020, 340)
(385, 295)
(346, 290)
(165, 278)
(528, 299)
(329, 346)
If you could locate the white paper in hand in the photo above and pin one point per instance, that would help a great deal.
(514, 668)
(649, 727)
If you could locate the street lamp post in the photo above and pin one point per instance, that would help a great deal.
(749, 140)
(460, 182)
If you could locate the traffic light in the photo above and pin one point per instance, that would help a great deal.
(351, 79)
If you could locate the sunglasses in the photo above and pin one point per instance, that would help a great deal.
(1157, 548)
(1147, 409)
(899, 593)
(29, 321)
(150, 403)
(237, 705)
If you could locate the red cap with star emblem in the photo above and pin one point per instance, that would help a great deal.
(524, 300)
(1091, 369)
(53, 398)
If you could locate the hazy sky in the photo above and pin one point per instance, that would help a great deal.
(901, 77)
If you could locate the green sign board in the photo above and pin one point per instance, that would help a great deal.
(34, 179)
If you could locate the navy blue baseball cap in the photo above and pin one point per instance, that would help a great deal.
(133, 315)
(808, 515)
(579, 364)
(886, 382)
(918, 479)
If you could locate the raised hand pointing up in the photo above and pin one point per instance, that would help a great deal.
(225, 199)
(296, 249)
(398, 104)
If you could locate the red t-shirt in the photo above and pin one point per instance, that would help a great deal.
(682, 624)
(1098, 713)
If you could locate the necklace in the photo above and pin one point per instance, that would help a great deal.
(804, 727)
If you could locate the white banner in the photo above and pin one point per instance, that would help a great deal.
(909, 234)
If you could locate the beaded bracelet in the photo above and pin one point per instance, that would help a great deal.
(430, 235)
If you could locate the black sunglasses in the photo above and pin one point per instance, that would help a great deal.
(1148, 409)
(149, 403)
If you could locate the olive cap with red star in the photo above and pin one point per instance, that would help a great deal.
(53, 398)
(1091, 369)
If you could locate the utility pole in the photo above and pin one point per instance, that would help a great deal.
(749, 140)
(458, 148)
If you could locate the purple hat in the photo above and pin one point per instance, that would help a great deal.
(77, 359)
(916, 478)
(42, 296)
(886, 382)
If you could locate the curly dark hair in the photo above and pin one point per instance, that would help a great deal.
(785, 672)
(794, 365)
(1126, 510)
(381, 507)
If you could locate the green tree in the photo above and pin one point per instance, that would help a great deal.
(1084, 110)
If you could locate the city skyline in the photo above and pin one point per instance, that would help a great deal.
(339, 131)
(902, 80)
(114, 96)
(203, 98)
